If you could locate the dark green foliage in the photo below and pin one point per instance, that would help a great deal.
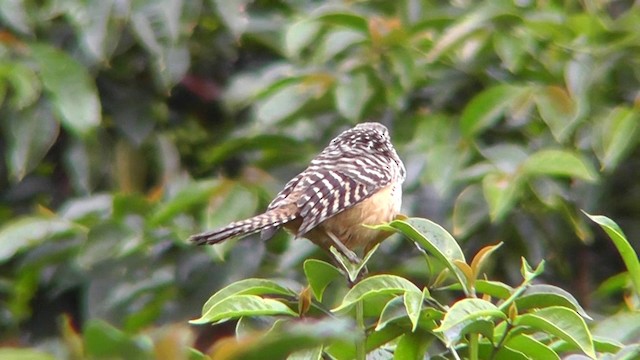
(126, 126)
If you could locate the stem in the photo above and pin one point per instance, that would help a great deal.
(361, 352)
(473, 346)
(505, 305)
(501, 342)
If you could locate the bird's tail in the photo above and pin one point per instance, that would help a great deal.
(270, 219)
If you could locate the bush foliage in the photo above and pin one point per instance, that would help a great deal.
(129, 125)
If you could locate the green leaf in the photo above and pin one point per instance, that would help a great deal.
(621, 327)
(286, 101)
(98, 30)
(300, 35)
(33, 133)
(543, 295)
(618, 135)
(13, 13)
(628, 254)
(353, 270)
(246, 287)
(501, 192)
(375, 285)
(483, 327)
(345, 19)
(319, 275)
(24, 354)
(488, 351)
(24, 82)
(352, 94)
(432, 238)
(469, 211)
(335, 42)
(310, 354)
(534, 349)
(495, 289)
(393, 310)
(563, 323)
(529, 273)
(463, 28)
(70, 88)
(26, 232)
(412, 346)
(193, 194)
(465, 311)
(103, 341)
(559, 163)
(287, 337)
(506, 157)
(461, 317)
(511, 49)
(557, 110)
(486, 108)
(234, 15)
(242, 305)
(413, 303)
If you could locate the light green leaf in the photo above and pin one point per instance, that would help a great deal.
(234, 15)
(346, 19)
(24, 82)
(413, 303)
(13, 13)
(461, 29)
(245, 287)
(26, 232)
(71, 89)
(319, 275)
(557, 110)
(412, 346)
(394, 309)
(352, 269)
(243, 305)
(628, 254)
(32, 133)
(559, 163)
(543, 295)
(616, 135)
(299, 35)
(103, 341)
(501, 192)
(528, 273)
(97, 29)
(531, 347)
(433, 238)
(24, 354)
(563, 323)
(464, 312)
(469, 211)
(375, 285)
(506, 157)
(511, 49)
(310, 354)
(494, 289)
(335, 42)
(486, 108)
(193, 194)
(351, 96)
(286, 101)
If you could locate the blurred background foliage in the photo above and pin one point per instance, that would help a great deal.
(129, 125)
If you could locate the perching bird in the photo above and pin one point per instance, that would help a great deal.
(355, 180)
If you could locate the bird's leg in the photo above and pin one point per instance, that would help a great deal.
(353, 258)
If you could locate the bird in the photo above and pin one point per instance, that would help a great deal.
(356, 180)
